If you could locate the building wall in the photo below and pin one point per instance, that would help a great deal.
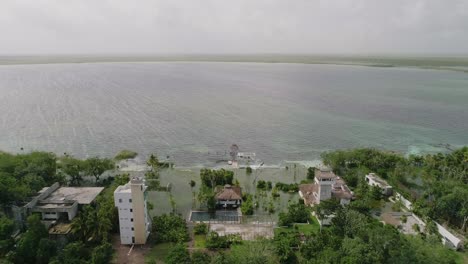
(139, 211)
(134, 221)
(448, 239)
(324, 190)
(404, 201)
(125, 209)
(386, 190)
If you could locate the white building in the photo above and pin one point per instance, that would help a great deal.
(373, 180)
(134, 221)
(449, 239)
(326, 185)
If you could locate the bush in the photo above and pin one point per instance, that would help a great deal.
(293, 187)
(102, 254)
(201, 229)
(178, 255)
(264, 185)
(310, 173)
(200, 257)
(248, 170)
(247, 207)
(169, 228)
(213, 178)
(269, 185)
(261, 185)
(215, 241)
(274, 193)
(125, 154)
(297, 213)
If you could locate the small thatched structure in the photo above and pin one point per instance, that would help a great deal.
(229, 196)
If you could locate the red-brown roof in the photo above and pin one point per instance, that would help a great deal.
(229, 193)
(307, 191)
(324, 174)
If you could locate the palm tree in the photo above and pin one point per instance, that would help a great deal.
(79, 225)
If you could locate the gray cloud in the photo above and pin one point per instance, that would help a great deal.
(241, 26)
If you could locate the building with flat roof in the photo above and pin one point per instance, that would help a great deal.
(373, 180)
(61, 203)
(326, 185)
(134, 221)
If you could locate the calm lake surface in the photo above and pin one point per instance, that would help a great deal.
(193, 111)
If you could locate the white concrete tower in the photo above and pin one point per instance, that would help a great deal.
(325, 181)
(134, 220)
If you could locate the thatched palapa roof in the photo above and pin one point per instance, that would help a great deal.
(229, 193)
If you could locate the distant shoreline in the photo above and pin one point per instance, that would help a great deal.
(458, 64)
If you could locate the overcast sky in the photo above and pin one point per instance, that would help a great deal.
(233, 26)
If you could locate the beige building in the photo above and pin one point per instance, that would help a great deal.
(134, 221)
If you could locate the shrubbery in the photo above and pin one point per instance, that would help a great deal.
(200, 229)
(200, 257)
(215, 241)
(178, 255)
(297, 213)
(293, 187)
(169, 228)
(125, 154)
(247, 207)
(310, 173)
(264, 185)
(213, 178)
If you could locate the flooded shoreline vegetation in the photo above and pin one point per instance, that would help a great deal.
(353, 228)
(125, 154)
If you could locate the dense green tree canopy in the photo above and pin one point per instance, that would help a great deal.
(437, 184)
(213, 178)
(178, 255)
(23, 175)
(169, 228)
(96, 166)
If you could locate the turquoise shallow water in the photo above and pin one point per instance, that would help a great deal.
(194, 111)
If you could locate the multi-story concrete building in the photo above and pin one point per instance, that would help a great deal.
(58, 206)
(326, 186)
(134, 221)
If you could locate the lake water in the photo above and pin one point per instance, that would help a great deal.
(193, 111)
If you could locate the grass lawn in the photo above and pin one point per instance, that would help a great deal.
(311, 228)
(200, 241)
(158, 252)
